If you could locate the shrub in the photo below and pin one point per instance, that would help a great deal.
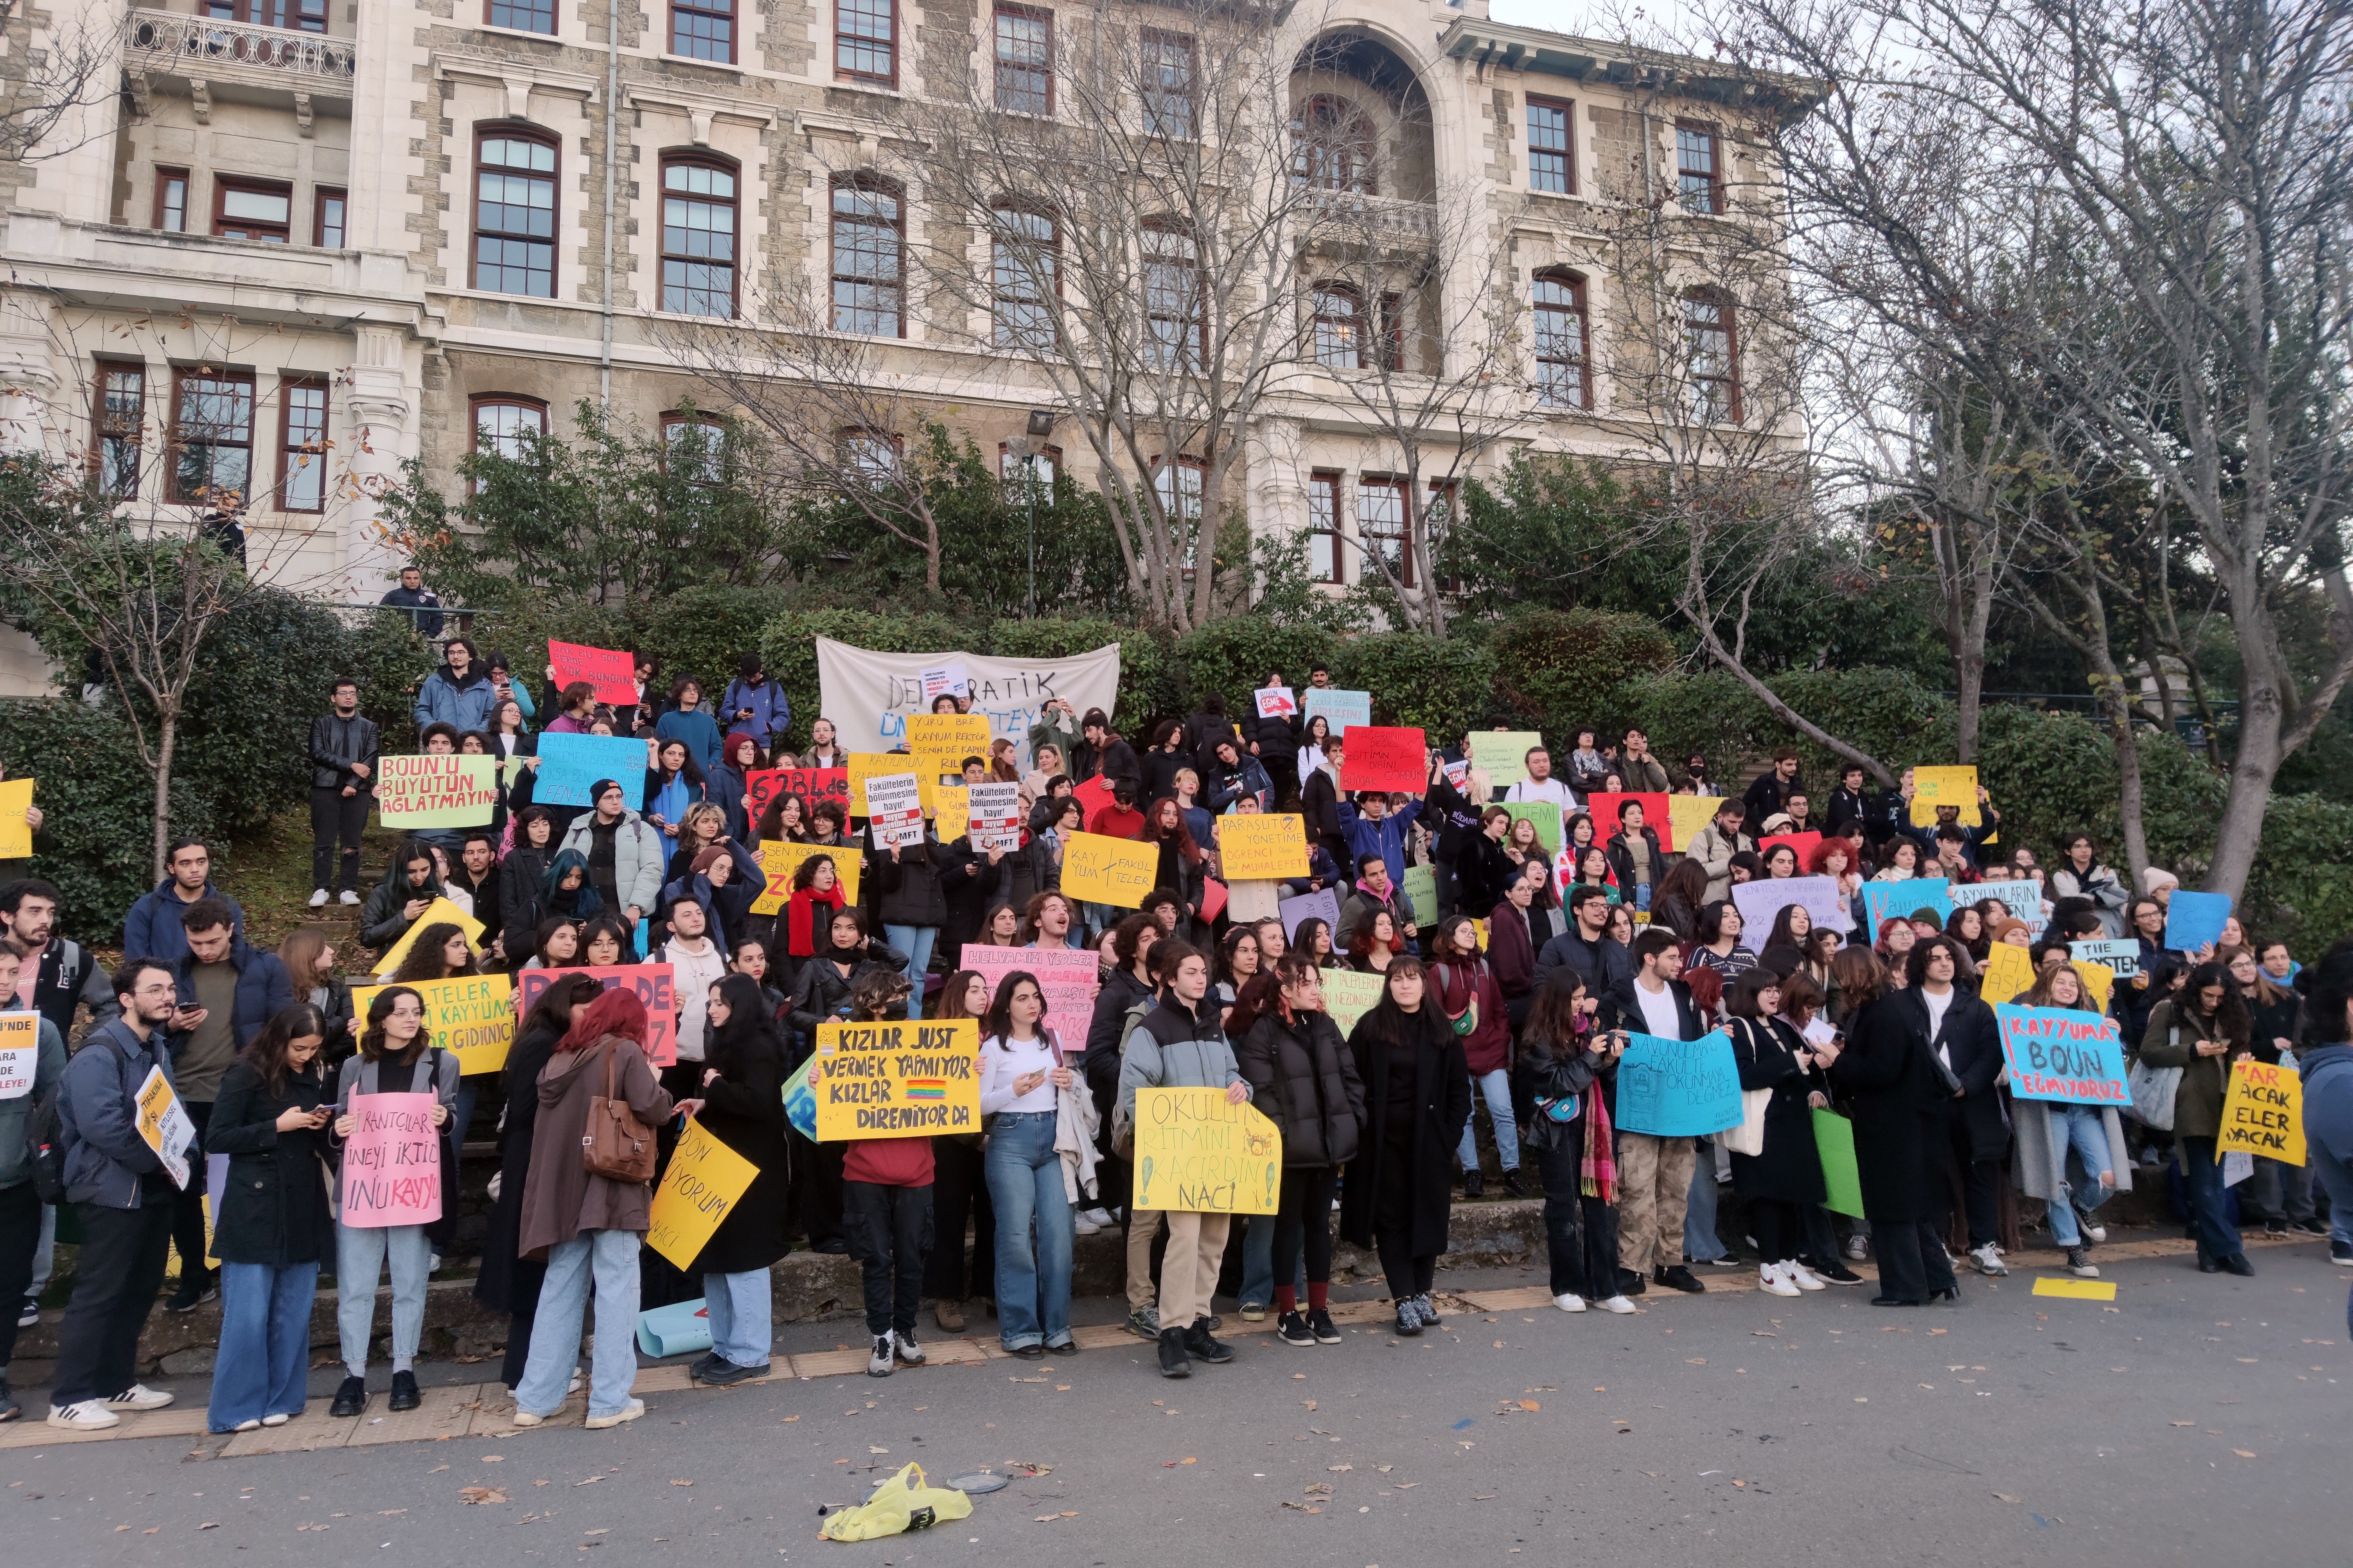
(1417, 680)
(1555, 669)
(1233, 654)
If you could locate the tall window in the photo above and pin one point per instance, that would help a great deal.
(1714, 351)
(1023, 277)
(121, 401)
(514, 215)
(302, 15)
(698, 237)
(866, 40)
(1167, 84)
(1382, 509)
(502, 424)
(1333, 147)
(1563, 378)
(703, 30)
(1339, 327)
(867, 261)
(1025, 59)
(327, 208)
(1323, 556)
(1172, 298)
(212, 437)
(1180, 485)
(302, 444)
(1444, 495)
(252, 209)
(1699, 171)
(695, 449)
(171, 200)
(524, 16)
(1549, 147)
(870, 456)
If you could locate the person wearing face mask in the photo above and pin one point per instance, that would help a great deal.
(2202, 1031)
(1397, 1196)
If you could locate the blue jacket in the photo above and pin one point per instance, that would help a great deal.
(771, 712)
(98, 1113)
(151, 929)
(444, 698)
(262, 988)
(1385, 838)
(699, 729)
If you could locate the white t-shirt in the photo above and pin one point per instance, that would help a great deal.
(1550, 789)
(693, 975)
(1659, 1011)
(1937, 1008)
(1001, 1061)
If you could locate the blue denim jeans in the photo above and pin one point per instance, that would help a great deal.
(2210, 1214)
(1701, 1244)
(1025, 1183)
(1258, 1262)
(915, 941)
(363, 1255)
(2335, 1176)
(264, 1360)
(2078, 1128)
(612, 1256)
(1496, 1088)
(740, 1309)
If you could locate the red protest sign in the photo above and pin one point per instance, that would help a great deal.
(612, 672)
(762, 785)
(1803, 843)
(1656, 815)
(1383, 757)
(1095, 799)
(656, 987)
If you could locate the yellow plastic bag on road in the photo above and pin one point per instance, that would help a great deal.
(906, 1502)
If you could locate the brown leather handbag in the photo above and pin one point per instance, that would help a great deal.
(617, 1145)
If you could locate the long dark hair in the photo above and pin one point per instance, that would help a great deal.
(749, 1016)
(423, 961)
(1393, 1023)
(553, 1010)
(1261, 995)
(996, 1024)
(952, 995)
(266, 1054)
(2236, 1023)
(1553, 1028)
(688, 769)
(372, 1039)
(1156, 832)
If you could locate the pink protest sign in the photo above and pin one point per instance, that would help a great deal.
(392, 1162)
(1065, 975)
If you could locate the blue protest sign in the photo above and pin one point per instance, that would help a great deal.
(1339, 709)
(1886, 900)
(1678, 1089)
(2193, 919)
(2063, 1054)
(2123, 956)
(568, 765)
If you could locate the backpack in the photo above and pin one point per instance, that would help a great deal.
(45, 1138)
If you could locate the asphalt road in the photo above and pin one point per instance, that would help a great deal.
(2200, 1419)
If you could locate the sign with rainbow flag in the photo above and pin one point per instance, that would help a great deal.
(902, 1079)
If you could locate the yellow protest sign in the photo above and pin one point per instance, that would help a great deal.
(2008, 971)
(1348, 996)
(1107, 870)
(436, 790)
(1933, 787)
(941, 741)
(864, 765)
(1691, 814)
(2262, 1113)
(904, 1078)
(780, 859)
(469, 1015)
(1501, 754)
(951, 811)
(440, 911)
(2098, 979)
(165, 1126)
(705, 1179)
(1260, 848)
(15, 834)
(1195, 1154)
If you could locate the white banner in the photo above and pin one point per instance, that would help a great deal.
(868, 695)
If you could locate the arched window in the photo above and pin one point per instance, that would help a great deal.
(868, 266)
(514, 213)
(694, 447)
(1340, 327)
(502, 421)
(1712, 345)
(1172, 297)
(1564, 372)
(1024, 275)
(697, 237)
(1332, 146)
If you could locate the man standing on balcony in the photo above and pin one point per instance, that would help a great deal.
(422, 604)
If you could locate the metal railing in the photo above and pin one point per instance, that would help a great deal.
(193, 46)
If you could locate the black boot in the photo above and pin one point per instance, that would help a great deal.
(1474, 1184)
(1203, 1345)
(1174, 1363)
(404, 1391)
(351, 1397)
(1515, 1184)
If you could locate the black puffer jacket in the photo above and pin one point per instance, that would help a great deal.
(822, 992)
(908, 890)
(1303, 1077)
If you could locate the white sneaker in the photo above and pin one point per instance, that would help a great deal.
(1988, 1259)
(1803, 1277)
(252, 1426)
(1083, 1223)
(1572, 1302)
(525, 1419)
(629, 1412)
(349, 897)
(275, 1420)
(878, 1360)
(1618, 1304)
(2094, 1234)
(318, 898)
(1098, 1216)
(139, 1396)
(904, 1346)
(89, 1416)
(1772, 1281)
(1858, 1248)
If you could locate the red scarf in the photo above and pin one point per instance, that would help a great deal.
(800, 919)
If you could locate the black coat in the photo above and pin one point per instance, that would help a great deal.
(1972, 1039)
(908, 889)
(1621, 860)
(1442, 1110)
(1902, 1112)
(1481, 872)
(1160, 766)
(1106, 1030)
(821, 992)
(510, 1282)
(274, 1204)
(1790, 1170)
(1303, 1077)
(968, 885)
(523, 903)
(745, 1110)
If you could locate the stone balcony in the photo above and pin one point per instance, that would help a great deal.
(202, 59)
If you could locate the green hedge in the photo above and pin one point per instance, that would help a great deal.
(1425, 682)
(1556, 669)
(97, 841)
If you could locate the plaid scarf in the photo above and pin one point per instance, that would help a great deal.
(1598, 1170)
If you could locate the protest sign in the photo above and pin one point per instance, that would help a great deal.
(437, 792)
(1348, 996)
(163, 1123)
(472, 1017)
(871, 694)
(614, 673)
(800, 1104)
(949, 679)
(1213, 897)
(391, 1162)
(1382, 757)
(1933, 787)
(899, 1078)
(762, 785)
(780, 859)
(2063, 1054)
(16, 833)
(2008, 972)
(2022, 898)
(941, 741)
(1501, 754)
(952, 811)
(1802, 845)
(20, 1053)
(655, 983)
(2099, 980)
(1678, 1089)
(1102, 871)
(2193, 919)
(1276, 702)
(895, 811)
(1458, 775)
(994, 817)
(1420, 888)
(1261, 848)
(2123, 958)
(1338, 708)
(1322, 904)
(440, 911)
(705, 1179)
(2262, 1113)
(1196, 1153)
(1095, 799)
(1758, 903)
(1893, 901)
(868, 765)
(1689, 816)
(1657, 815)
(1544, 814)
(1065, 975)
(569, 764)
(1834, 1143)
